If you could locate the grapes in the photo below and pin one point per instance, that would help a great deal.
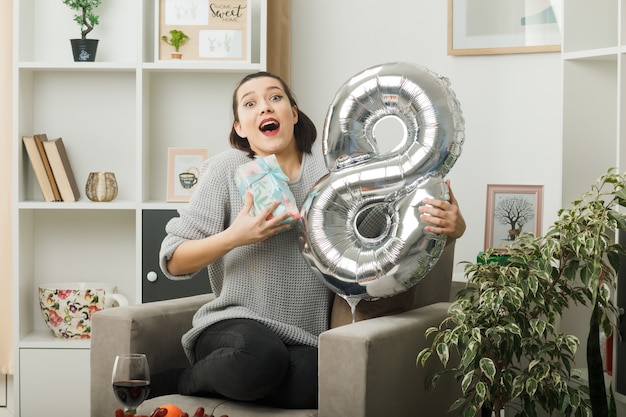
(162, 412)
(159, 412)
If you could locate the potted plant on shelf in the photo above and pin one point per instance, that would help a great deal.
(176, 39)
(503, 328)
(84, 49)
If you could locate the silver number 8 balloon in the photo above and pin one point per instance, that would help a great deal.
(360, 228)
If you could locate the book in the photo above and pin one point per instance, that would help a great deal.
(39, 140)
(40, 170)
(62, 170)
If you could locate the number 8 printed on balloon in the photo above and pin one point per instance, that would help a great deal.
(360, 227)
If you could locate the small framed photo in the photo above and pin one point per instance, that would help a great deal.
(511, 211)
(489, 27)
(183, 172)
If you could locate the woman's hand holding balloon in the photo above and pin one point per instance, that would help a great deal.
(444, 216)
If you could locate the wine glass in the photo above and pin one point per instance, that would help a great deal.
(131, 380)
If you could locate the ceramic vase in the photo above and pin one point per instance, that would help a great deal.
(101, 186)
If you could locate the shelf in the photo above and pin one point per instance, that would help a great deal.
(604, 54)
(46, 340)
(79, 205)
(77, 66)
(166, 66)
(162, 205)
(231, 67)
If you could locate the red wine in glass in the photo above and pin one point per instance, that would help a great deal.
(131, 393)
(131, 380)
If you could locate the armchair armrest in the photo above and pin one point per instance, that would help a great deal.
(368, 368)
(151, 328)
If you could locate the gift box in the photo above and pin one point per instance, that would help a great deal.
(267, 183)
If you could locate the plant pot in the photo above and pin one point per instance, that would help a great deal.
(177, 55)
(84, 50)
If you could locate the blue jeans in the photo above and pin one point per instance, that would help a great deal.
(244, 360)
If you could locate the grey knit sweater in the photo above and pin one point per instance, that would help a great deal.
(268, 281)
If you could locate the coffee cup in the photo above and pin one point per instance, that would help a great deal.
(187, 179)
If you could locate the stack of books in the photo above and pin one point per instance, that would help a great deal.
(52, 168)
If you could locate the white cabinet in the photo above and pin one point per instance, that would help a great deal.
(594, 119)
(53, 381)
(121, 114)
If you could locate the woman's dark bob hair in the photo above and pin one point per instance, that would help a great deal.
(304, 130)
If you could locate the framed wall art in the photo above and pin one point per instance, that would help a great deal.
(511, 211)
(487, 27)
(183, 172)
(217, 29)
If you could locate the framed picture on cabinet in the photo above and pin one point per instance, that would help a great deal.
(488, 27)
(216, 29)
(511, 211)
(183, 172)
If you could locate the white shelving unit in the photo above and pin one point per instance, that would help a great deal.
(121, 114)
(594, 117)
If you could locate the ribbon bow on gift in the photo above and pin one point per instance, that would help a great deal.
(267, 186)
(273, 170)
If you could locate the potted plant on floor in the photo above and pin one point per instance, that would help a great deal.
(176, 39)
(503, 328)
(84, 49)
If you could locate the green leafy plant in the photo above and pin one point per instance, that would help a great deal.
(176, 39)
(85, 17)
(503, 328)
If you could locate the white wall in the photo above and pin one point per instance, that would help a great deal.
(511, 103)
